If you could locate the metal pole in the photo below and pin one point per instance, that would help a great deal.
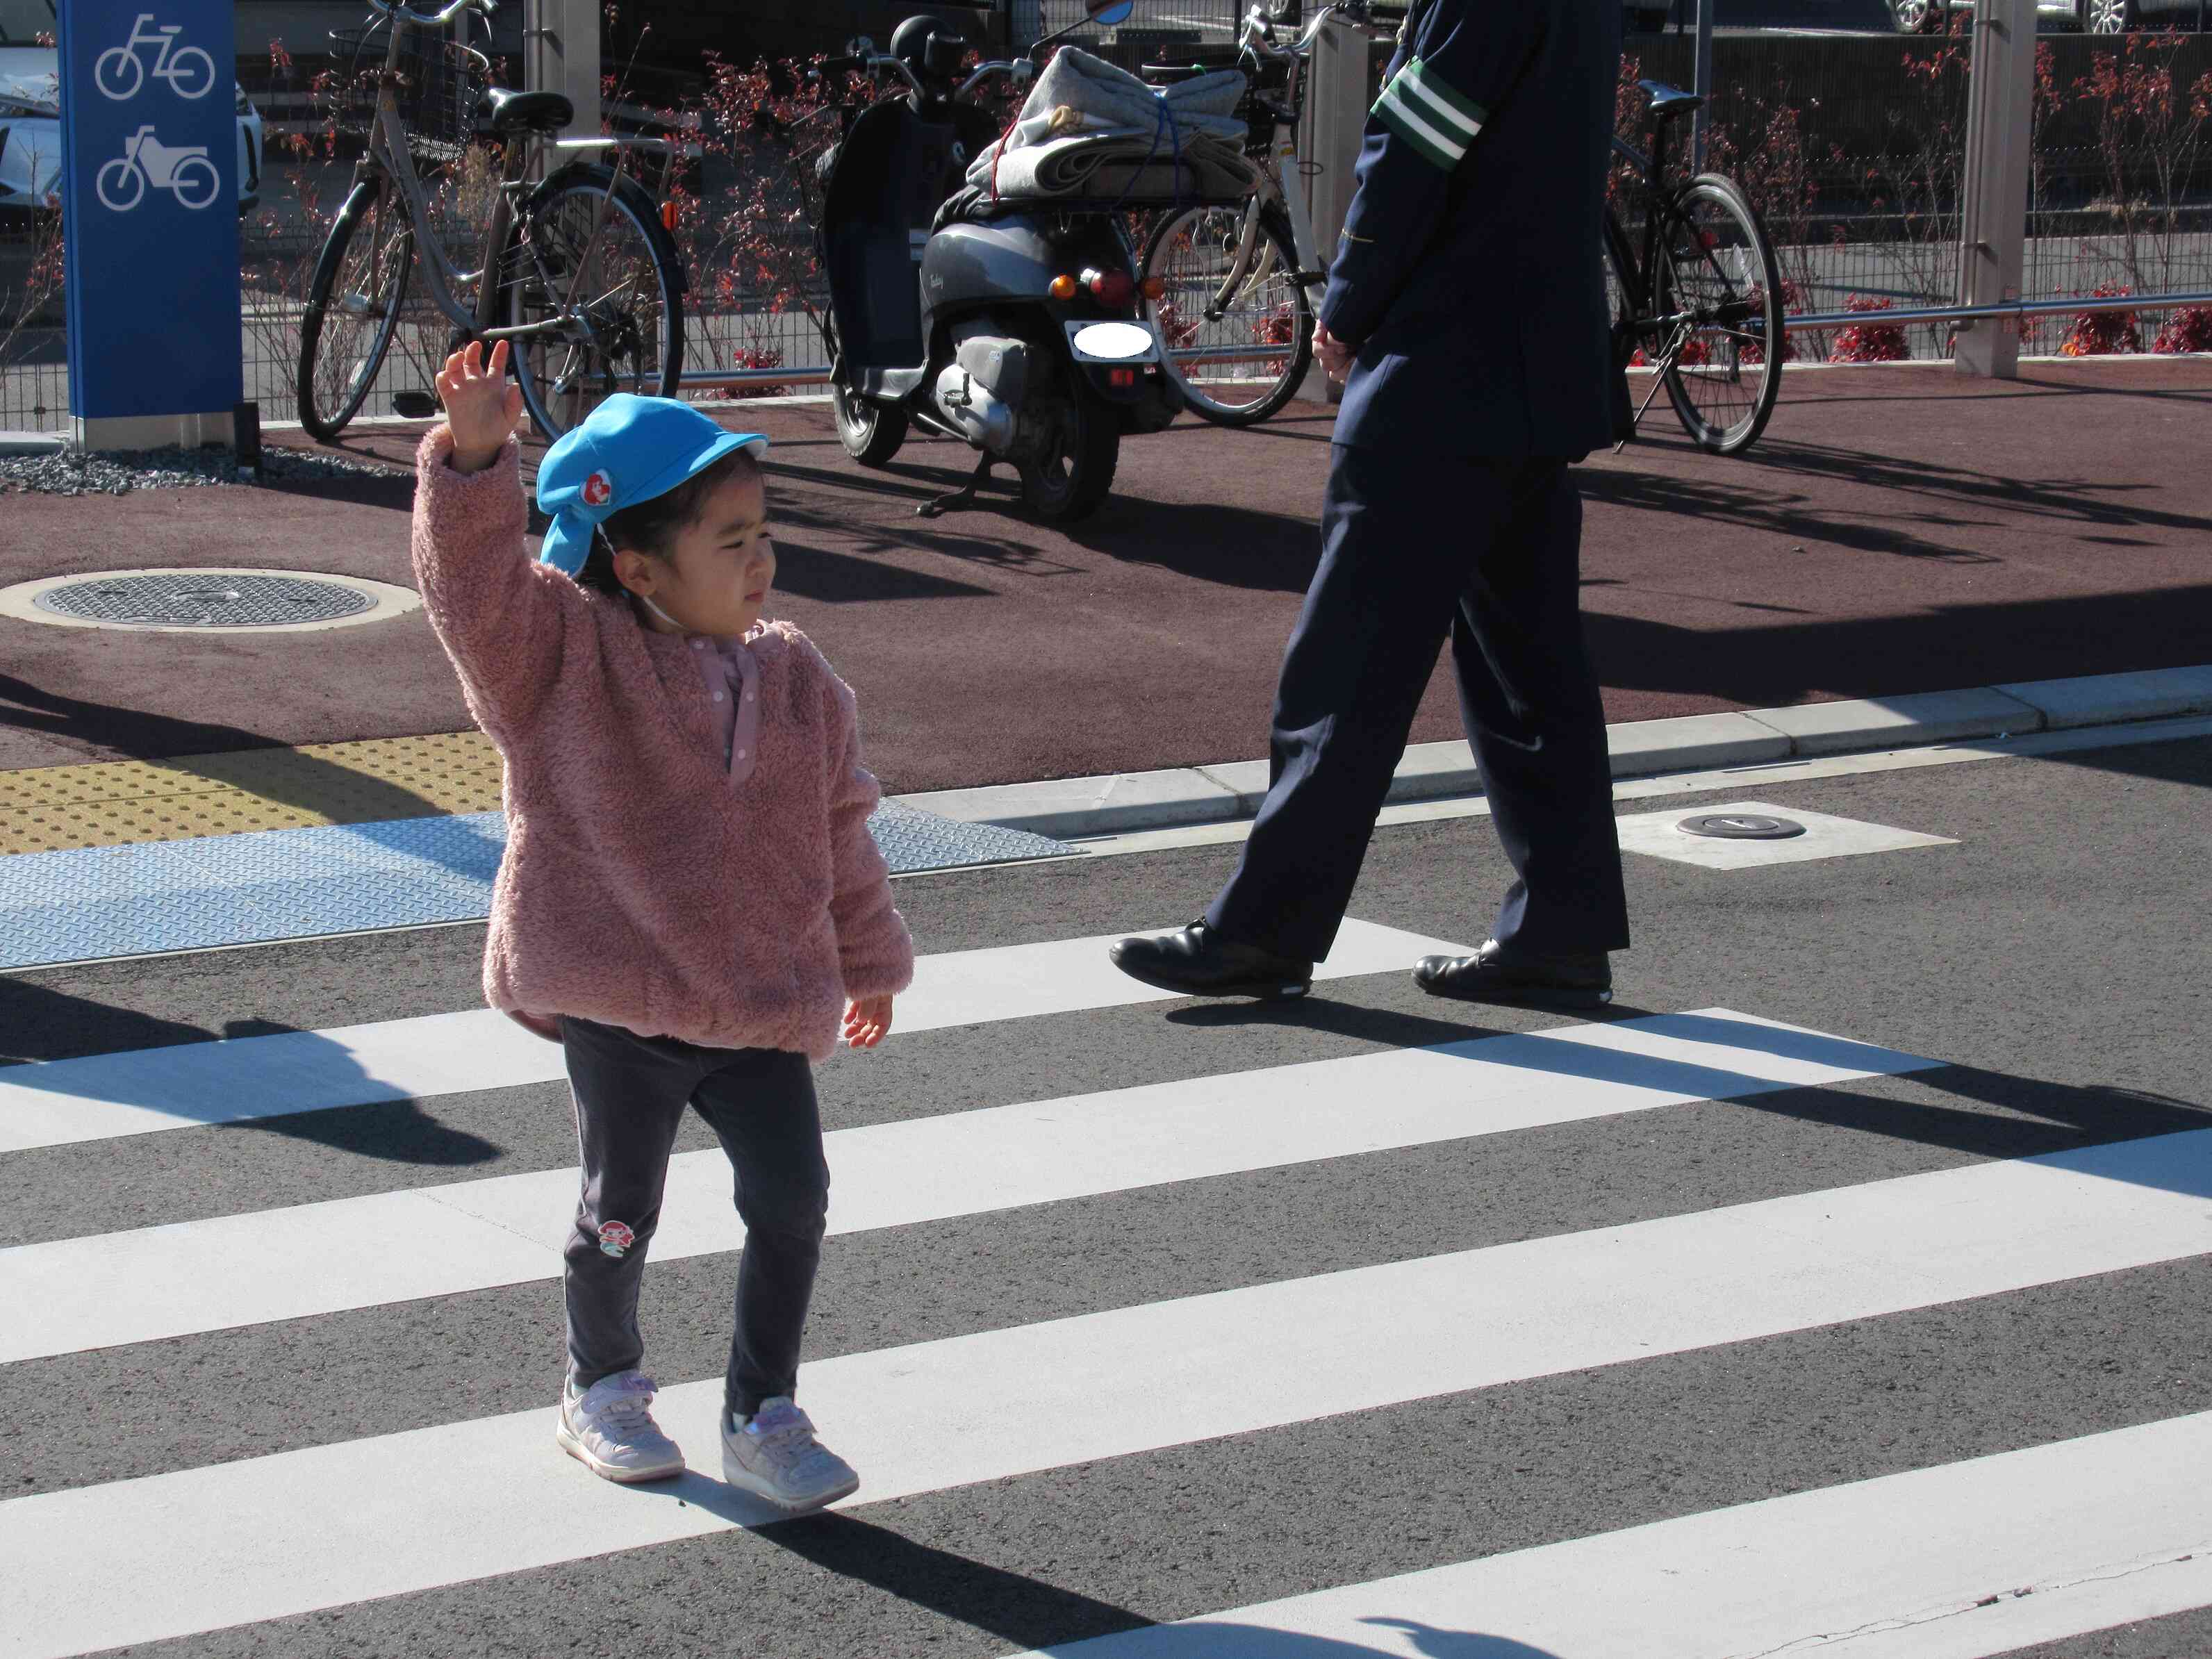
(1701, 83)
(560, 53)
(1335, 122)
(1993, 218)
(2007, 311)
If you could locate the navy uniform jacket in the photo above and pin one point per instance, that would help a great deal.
(1469, 279)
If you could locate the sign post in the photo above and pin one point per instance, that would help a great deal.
(560, 53)
(1337, 93)
(2000, 107)
(149, 211)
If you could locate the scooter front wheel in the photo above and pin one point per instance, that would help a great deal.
(1071, 475)
(872, 434)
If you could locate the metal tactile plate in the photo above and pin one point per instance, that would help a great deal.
(228, 598)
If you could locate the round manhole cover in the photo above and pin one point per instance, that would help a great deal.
(193, 601)
(206, 600)
(1741, 826)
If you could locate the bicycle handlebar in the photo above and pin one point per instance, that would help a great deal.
(437, 19)
(1259, 36)
(875, 63)
(1020, 69)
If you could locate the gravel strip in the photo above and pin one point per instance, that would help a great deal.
(117, 474)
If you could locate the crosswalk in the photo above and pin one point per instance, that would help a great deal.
(2043, 1535)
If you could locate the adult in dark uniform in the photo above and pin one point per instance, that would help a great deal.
(1466, 313)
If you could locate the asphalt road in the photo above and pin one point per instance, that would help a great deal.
(2050, 960)
(1897, 530)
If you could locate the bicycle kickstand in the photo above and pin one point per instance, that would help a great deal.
(1658, 379)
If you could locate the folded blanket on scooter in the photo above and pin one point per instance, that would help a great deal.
(1116, 168)
(1080, 98)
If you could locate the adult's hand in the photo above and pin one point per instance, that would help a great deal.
(1335, 356)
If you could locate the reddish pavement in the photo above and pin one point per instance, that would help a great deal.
(1898, 529)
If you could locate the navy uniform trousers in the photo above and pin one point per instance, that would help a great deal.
(1487, 549)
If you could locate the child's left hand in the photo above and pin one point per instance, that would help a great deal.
(867, 1021)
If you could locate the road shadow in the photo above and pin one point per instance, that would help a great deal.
(2002, 1116)
(1763, 665)
(97, 1052)
(1030, 1611)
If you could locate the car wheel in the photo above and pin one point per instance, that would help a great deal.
(1919, 16)
(2107, 17)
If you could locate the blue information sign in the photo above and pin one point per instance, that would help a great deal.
(149, 147)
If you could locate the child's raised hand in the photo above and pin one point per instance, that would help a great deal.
(482, 404)
(867, 1021)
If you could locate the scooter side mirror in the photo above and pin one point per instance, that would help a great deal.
(1108, 11)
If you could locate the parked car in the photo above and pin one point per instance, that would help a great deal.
(2089, 17)
(31, 110)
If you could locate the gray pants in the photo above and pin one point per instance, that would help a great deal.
(631, 1092)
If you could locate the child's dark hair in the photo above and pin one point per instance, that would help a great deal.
(651, 527)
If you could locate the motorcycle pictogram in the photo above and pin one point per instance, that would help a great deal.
(189, 70)
(185, 172)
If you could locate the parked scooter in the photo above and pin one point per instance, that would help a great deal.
(1020, 333)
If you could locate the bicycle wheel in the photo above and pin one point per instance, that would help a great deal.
(1194, 252)
(590, 266)
(353, 309)
(1716, 315)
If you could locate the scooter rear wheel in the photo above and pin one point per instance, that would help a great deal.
(872, 434)
(1068, 480)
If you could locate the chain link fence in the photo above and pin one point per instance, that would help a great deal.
(1851, 145)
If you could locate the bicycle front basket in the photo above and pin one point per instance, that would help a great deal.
(439, 87)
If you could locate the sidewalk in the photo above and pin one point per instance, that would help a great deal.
(1897, 531)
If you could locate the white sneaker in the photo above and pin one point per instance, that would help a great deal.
(774, 1455)
(609, 1428)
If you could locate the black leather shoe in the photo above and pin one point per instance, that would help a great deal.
(1197, 961)
(1498, 974)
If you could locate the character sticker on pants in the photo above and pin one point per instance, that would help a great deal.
(615, 1238)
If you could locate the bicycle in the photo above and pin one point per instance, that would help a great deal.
(578, 271)
(118, 74)
(1704, 305)
(1237, 280)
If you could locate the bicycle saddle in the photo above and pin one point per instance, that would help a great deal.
(526, 111)
(1667, 102)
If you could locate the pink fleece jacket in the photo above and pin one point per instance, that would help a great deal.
(643, 886)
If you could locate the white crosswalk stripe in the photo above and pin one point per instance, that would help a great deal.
(74, 1294)
(193, 1085)
(1895, 1567)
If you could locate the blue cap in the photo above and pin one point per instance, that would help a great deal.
(627, 450)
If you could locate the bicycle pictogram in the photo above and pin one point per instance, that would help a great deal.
(120, 73)
(184, 171)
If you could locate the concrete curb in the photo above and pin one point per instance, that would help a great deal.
(1069, 809)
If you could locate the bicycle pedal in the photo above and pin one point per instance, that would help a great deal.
(415, 405)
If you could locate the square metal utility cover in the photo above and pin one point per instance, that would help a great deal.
(1661, 835)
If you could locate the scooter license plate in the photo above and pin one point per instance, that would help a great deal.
(1113, 343)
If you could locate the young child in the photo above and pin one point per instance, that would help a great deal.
(690, 892)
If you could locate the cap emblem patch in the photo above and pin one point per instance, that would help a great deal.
(599, 490)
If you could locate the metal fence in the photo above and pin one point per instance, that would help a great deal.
(1851, 146)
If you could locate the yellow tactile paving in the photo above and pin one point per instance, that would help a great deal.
(47, 808)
